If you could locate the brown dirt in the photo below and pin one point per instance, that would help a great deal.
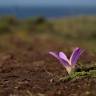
(28, 70)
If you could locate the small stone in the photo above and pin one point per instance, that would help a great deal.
(87, 93)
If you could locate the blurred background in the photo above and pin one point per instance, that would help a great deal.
(48, 24)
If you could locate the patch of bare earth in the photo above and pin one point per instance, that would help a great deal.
(28, 71)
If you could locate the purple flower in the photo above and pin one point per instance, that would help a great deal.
(69, 64)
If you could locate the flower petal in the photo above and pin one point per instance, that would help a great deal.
(63, 56)
(56, 55)
(62, 61)
(75, 55)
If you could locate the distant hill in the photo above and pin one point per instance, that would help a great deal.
(48, 12)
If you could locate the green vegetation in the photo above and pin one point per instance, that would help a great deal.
(78, 75)
(68, 28)
(79, 30)
(81, 72)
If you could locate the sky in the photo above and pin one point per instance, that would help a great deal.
(46, 2)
